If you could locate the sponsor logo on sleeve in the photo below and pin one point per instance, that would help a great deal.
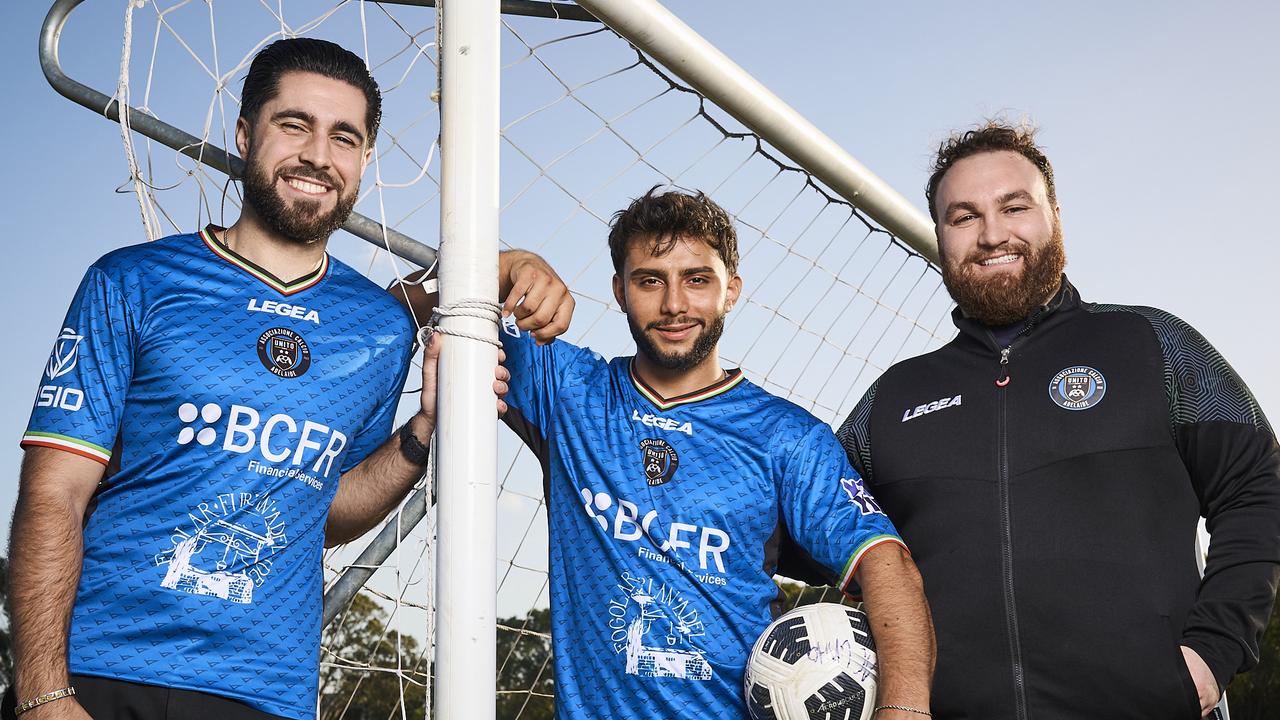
(859, 496)
(63, 358)
(284, 353)
(1077, 388)
(509, 326)
(62, 361)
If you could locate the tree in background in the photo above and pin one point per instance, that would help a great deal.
(360, 639)
(525, 676)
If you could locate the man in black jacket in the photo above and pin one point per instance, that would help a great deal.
(1048, 467)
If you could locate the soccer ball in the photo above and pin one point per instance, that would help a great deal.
(817, 662)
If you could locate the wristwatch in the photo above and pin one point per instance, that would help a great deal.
(412, 448)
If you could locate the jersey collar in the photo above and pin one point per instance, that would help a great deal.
(729, 382)
(292, 287)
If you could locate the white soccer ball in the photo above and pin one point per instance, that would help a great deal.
(817, 662)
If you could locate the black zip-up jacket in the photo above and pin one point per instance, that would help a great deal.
(1049, 492)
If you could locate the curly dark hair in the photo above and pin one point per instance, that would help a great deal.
(314, 56)
(990, 136)
(664, 218)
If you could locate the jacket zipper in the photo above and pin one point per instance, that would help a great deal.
(1006, 539)
(1006, 529)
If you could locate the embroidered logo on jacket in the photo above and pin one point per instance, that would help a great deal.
(1077, 388)
(936, 405)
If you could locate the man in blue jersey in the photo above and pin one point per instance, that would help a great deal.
(672, 483)
(218, 408)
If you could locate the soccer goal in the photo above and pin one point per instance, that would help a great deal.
(590, 105)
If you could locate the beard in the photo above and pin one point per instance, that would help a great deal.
(1007, 298)
(302, 222)
(703, 345)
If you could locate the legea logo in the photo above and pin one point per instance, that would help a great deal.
(279, 438)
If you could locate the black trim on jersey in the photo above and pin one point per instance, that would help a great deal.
(534, 440)
(287, 285)
(715, 389)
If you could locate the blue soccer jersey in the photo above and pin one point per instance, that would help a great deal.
(226, 404)
(666, 517)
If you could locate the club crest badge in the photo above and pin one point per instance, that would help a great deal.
(1077, 388)
(284, 352)
(660, 461)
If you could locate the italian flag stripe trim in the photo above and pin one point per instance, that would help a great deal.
(851, 567)
(69, 444)
(284, 288)
(731, 380)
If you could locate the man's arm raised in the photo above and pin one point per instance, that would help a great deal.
(46, 549)
(893, 595)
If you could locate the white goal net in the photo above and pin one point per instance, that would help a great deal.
(588, 123)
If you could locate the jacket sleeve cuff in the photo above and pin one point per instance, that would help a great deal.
(1223, 656)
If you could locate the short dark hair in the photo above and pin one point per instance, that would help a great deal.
(314, 56)
(990, 136)
(666, 218)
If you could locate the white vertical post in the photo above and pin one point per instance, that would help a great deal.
(466, 435)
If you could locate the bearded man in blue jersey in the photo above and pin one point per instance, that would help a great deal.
(672, 482)
(218, 408)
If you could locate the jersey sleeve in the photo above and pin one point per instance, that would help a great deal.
(827, 509)
(81, 394)
(537, 374)
(378, 428)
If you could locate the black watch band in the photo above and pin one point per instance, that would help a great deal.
(412, 448)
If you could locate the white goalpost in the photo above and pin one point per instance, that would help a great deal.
(526, 124)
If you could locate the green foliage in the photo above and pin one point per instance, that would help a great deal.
(795, 595)
(360, 637)
(525, 672)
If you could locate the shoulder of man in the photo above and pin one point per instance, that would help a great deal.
(1201, 385)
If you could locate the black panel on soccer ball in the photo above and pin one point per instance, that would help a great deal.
(788, 641)
(861, 628)
(760, 703)
(839, 699)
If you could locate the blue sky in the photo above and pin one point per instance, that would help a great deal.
(1160, 119)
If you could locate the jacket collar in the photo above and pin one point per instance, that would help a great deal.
(1065, 300)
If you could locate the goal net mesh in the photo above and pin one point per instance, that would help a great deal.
(588, 123)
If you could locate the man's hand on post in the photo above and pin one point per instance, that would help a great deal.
(1206, 684)
(533, 292)
(430, 373)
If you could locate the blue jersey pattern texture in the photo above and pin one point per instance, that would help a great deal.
(225, 404)
(665, 519)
